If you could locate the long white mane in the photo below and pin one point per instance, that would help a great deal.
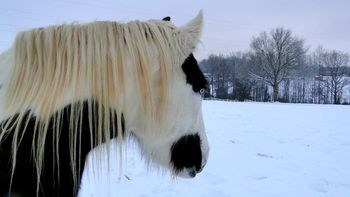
(127, 69)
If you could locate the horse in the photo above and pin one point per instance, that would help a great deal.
(71, 88)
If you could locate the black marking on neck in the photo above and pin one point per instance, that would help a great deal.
(52, 181)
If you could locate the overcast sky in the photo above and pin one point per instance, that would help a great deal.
(229, 24)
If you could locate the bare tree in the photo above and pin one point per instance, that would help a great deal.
(335, 63)
(316, 63)
(275, 55)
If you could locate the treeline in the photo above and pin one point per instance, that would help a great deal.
(278, 67)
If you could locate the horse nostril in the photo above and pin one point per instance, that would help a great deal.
(192, 173)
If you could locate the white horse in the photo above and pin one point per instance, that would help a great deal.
(73, 87)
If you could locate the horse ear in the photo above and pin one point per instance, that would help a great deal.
(166, 18)
(192, 31)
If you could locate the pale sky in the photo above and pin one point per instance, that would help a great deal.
(229, 24)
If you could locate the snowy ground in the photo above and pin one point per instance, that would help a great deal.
(257, 150)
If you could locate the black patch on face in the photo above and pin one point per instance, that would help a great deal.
(194, 75)
(187, 153)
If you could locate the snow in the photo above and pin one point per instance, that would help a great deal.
(257, 150)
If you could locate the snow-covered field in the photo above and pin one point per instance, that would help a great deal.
(257, 150)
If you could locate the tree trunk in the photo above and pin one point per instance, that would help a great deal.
(212, 86)
(303, 89)
(335, 96)
(275, 92)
